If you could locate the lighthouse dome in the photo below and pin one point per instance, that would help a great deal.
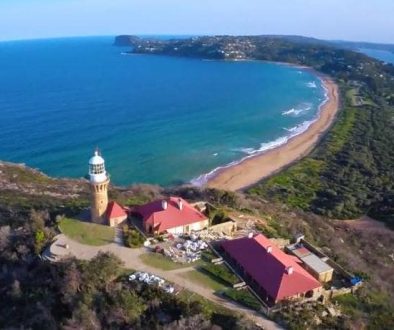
(96, 159)
(97, 171)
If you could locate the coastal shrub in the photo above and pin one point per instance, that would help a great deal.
(296, 186)
(39, 240)
(221, 272)
(373, 307)
(267, 231)
(218, 217)
(132, 237)
(208, 255)
(348, 174)
(243, 297)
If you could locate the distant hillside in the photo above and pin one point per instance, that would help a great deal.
(127, 40)
(357, 45)
(353, 45)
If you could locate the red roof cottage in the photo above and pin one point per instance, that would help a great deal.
(115, 214)
(272, 273)
(173, 215)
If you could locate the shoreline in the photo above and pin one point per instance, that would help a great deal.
(247, 172)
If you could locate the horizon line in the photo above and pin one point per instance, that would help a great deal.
(186, 35)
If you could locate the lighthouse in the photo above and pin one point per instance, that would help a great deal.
(99, 181)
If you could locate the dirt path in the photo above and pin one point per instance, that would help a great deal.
(131, 259)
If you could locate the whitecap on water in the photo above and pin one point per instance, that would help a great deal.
(295, 112)
(311, 84)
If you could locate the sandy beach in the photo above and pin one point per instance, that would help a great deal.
(253, 169)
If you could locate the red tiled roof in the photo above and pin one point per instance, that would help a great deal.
(269, 269)
(114, 210)
(160, 219)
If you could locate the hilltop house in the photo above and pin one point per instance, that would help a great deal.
(173, 215)
(273, 274)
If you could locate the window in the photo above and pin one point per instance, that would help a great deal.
(309, 294)
(97, 169)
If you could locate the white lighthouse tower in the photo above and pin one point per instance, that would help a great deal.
(99, 182)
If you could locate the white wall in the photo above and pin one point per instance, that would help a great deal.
(193, 226)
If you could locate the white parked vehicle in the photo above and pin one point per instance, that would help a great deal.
(151, 279)
(169, 289)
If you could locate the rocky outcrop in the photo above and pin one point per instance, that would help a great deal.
(125, 40)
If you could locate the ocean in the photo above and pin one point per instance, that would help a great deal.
(156, 119)
(382, 55)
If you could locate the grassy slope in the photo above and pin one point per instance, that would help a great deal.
(87, 233)
(204, 279)
(159, 261)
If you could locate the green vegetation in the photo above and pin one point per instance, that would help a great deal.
(87, 233)
(205, 279)
(310, 315)
(228, 319)
(273, 229)
(221, 272)
(219, 217)
(352, 95)
(208, 255)
(372, 308)
(21, 174)
(132, 237)
(347, 175)
(93, 295)
(216, 215)
(243, 297)
(160, 261)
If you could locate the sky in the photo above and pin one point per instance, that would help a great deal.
(357, 20)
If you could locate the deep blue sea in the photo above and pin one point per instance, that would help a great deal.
(156, 119)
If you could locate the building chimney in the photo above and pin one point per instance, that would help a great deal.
(164, 204)
(298, 238)
(269, 249)
(289, 270)
(180, 204)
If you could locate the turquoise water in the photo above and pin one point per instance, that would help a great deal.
(158, 120)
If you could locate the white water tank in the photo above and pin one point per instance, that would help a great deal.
(289, 270)
(180, 204)
(164, 204)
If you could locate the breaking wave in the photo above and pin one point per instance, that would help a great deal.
(264, 147)
(295, 112)
(311, 84)
(251, 152)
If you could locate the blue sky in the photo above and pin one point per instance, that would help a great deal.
(365, 20)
